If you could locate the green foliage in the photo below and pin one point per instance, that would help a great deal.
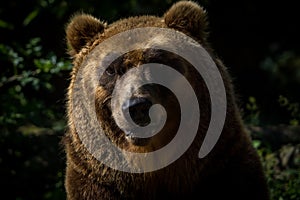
(283, 67)
(30, 121)
(28, 75)
(252, 112)
(282, 168)
(293, 109)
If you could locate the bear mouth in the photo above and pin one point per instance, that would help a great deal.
(137, 141)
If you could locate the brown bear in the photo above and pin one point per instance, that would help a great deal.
(231, 170)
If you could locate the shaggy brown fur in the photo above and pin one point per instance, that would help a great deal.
(232, 170)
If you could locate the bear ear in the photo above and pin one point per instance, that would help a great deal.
(81, 29)
(188, 17)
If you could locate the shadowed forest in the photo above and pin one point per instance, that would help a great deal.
(259, 42)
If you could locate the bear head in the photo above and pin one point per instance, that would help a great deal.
(85, 33)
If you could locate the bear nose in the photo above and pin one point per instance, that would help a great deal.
(138, 109)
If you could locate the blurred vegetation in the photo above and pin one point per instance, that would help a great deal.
(258, 41)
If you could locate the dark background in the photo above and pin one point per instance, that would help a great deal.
(257, 40)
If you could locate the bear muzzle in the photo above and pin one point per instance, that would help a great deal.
(139, 112)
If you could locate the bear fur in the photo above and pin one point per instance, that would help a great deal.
(232, 170)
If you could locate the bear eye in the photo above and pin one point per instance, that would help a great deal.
(110, 71)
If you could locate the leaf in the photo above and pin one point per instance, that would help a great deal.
(256, 143)
(31, 17)
(4, 24)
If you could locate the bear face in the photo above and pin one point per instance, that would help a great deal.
(140, 101)
(82, 43)
(232, 167)
(195, 28)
